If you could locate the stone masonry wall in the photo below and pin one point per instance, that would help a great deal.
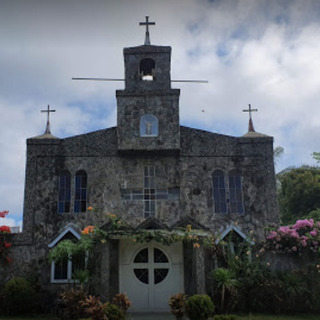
(109, 173)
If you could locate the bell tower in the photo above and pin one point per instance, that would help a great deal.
(148, 109)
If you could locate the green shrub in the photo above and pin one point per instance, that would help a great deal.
(113, 312)
(199, 307)
(224, 317)
(19, 296)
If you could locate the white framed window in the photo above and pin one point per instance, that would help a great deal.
(63, 271)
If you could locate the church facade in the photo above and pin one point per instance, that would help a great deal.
(151, 172)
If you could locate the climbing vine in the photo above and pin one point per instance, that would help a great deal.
(118, 228)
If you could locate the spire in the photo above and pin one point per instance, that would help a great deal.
(47, 131)
(250, 127)
(147, 24)
(250, 110)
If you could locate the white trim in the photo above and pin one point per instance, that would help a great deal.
(69, 273)
(236, 229)
(69, 228)
(62, 234)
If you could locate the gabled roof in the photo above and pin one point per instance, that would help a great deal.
(187, 220)
(234, 228)
(152, 223)
(69, 228)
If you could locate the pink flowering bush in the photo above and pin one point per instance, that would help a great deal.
(304, 234)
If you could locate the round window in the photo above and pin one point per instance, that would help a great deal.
(151, 265)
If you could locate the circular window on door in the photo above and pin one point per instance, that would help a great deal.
(151, 265)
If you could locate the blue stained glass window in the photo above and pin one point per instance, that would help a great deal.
(236, 197)
(219, 192)
(80, 199)
(64, 192)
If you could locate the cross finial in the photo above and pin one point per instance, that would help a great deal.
(250, 110)
(147, 24)
(47, 131)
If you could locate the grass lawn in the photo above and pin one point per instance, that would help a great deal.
(243, 317)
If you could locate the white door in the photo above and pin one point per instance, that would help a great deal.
(150, 274)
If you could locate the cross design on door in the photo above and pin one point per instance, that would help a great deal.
(151, 265)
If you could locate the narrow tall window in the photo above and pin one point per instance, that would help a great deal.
(149, 126)
(219, 192)
(80, 197)
(235, 188)
(149, 192)
(64, 192)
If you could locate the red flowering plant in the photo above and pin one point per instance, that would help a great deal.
(304, 234)
(4, 245)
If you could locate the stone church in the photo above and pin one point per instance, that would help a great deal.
(155, 174)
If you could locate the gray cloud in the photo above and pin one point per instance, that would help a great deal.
(259, 52)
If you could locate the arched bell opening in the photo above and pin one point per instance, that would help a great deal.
(147, 69)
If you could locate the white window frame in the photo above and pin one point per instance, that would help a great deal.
(237, 230)
(69, 266)
(69, 273)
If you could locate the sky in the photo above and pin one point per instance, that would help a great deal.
(265, 53)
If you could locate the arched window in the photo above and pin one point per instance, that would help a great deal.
(235, 189)
(147, 69)
(80, 197)
(149, 126)
(64, 192)
(219, 192)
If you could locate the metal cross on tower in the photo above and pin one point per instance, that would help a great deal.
(147, 24)
(48, 119)
(250, 110)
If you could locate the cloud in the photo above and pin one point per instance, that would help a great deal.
(260, 52)
(7, 222)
